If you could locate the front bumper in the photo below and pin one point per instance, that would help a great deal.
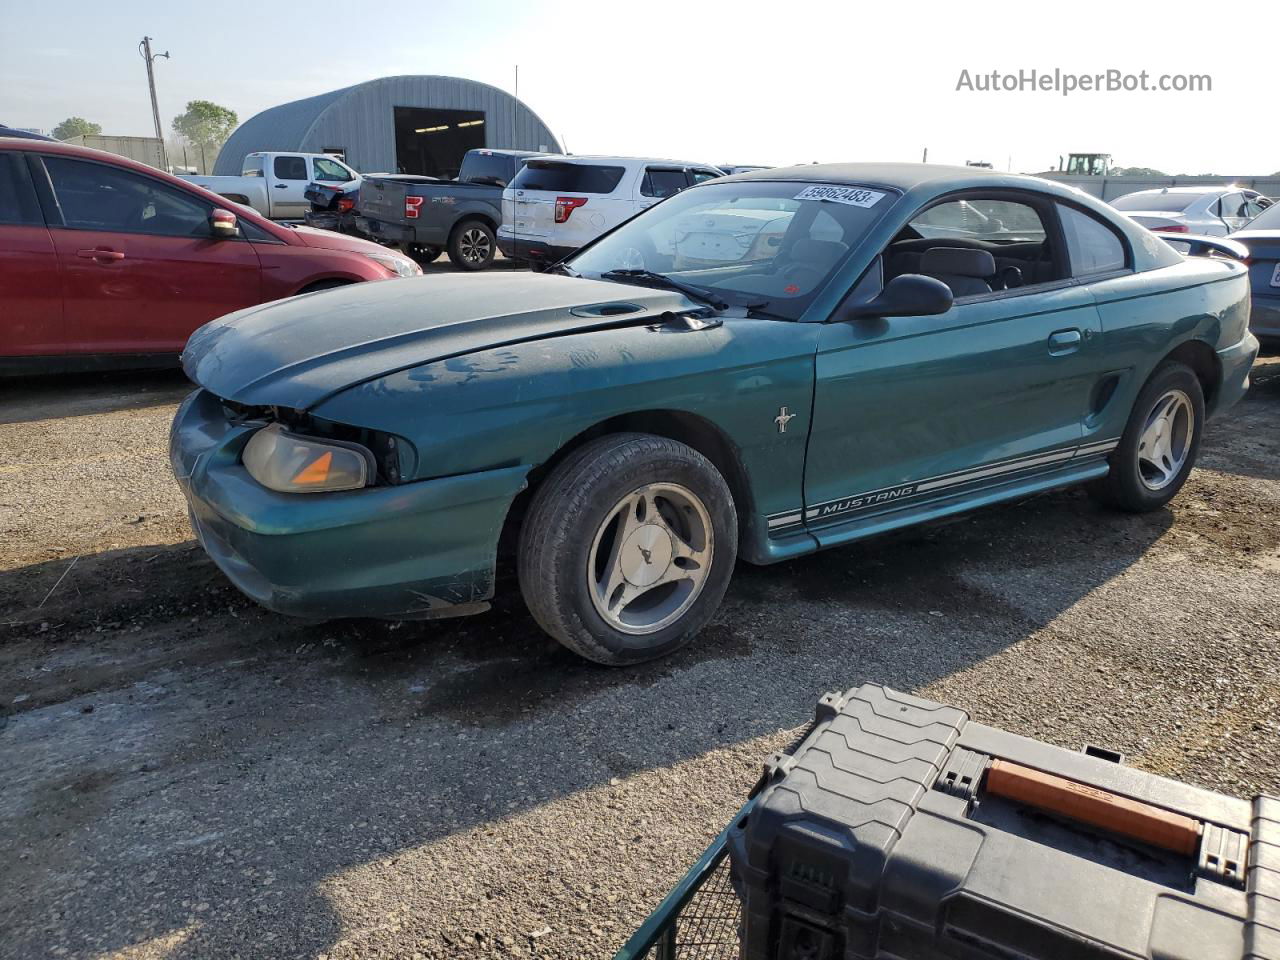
(1264, 317)
(417, 550)
(1235, 361)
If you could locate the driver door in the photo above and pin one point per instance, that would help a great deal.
(912, 411)
(140, 267)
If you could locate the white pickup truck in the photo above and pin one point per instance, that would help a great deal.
(274, 183)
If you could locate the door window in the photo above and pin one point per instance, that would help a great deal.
(1232, 205)
(290, 168)
(96, 196)
(698, 176)
(996, 220)
(976, 246)
(331, 171)
(663, 183)
(1092, 246)
(17, 199)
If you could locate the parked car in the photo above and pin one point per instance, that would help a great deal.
(275, 184)
(1262, 239)
(1208, 212)
(24, 134)
(557, 204)
(636, 430)
(424, 215)
(103, 259)
(333, 207)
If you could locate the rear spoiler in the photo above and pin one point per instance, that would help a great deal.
(1201, 246)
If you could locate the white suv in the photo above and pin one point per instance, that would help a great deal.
(557, 204)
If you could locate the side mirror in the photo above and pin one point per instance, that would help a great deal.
(224, 225)
(907, 295)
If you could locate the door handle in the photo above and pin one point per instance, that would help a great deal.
(282, 186)
(100, 254)
(1064, 341)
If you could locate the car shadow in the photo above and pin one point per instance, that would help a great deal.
(216, 765)
(44, 397)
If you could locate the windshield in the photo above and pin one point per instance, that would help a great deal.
(768, 244)
(1165, 202)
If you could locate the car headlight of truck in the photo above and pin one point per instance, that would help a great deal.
(400, 266)
(283, 461)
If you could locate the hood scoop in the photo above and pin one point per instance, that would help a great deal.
(619, 309)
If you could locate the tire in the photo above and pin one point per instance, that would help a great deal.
(1146, 470)
(620, 491)
(422, 253)
(472, 245)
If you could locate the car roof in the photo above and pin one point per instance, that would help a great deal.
(13, 132)
(1194, 191)
(897, 176)
(606, 158)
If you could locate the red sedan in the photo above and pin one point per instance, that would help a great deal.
(102, 258)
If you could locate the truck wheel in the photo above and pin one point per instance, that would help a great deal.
(1159, 445)
(628, 547)
(422, 253)
(472, 245)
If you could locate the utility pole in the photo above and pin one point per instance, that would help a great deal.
(925, 158)
(145, 49)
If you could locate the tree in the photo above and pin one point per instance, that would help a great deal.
(205, 125)
(1137, 172)
(75, 127)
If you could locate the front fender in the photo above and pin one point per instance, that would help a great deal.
(522, 403)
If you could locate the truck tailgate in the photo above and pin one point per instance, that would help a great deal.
(383, 199)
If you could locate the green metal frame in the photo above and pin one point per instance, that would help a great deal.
(658, 931)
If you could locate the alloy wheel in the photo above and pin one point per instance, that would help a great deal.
(650, 558)
(1165, 441)
(475, 245)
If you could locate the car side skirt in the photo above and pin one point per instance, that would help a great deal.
(881, 511)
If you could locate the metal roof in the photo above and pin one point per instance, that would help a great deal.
(360, 120)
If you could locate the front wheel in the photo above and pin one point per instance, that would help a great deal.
(472, 245)
(628, 547)
(1160, 442)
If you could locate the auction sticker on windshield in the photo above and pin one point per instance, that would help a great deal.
(855, 196)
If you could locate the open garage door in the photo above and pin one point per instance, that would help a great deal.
(432, 142)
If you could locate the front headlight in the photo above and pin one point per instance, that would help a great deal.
(280, 460)
(400, 266)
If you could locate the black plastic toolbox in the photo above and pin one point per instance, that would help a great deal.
(901, 829)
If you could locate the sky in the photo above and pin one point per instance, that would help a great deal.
(744, 83)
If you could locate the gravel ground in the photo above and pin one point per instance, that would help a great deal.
(186, 775)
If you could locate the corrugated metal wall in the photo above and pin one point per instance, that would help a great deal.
(361, 120)
(1108, 188)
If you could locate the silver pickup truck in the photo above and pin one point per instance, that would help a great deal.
(425, 215)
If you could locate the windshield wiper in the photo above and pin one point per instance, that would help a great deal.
(564, 268)
(662, 280)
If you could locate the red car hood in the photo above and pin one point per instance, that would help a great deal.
(328, 240)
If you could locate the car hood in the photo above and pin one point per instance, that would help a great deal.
(329, 240)
(300, 351)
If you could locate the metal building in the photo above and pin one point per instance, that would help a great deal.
(411, 124)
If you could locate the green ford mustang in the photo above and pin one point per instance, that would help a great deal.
(759, 367)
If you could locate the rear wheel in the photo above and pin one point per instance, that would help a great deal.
(628, 547)
(472, 245)
(1160, 443)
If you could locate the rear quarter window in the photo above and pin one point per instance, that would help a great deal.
(568, 177)
(1092, 246)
